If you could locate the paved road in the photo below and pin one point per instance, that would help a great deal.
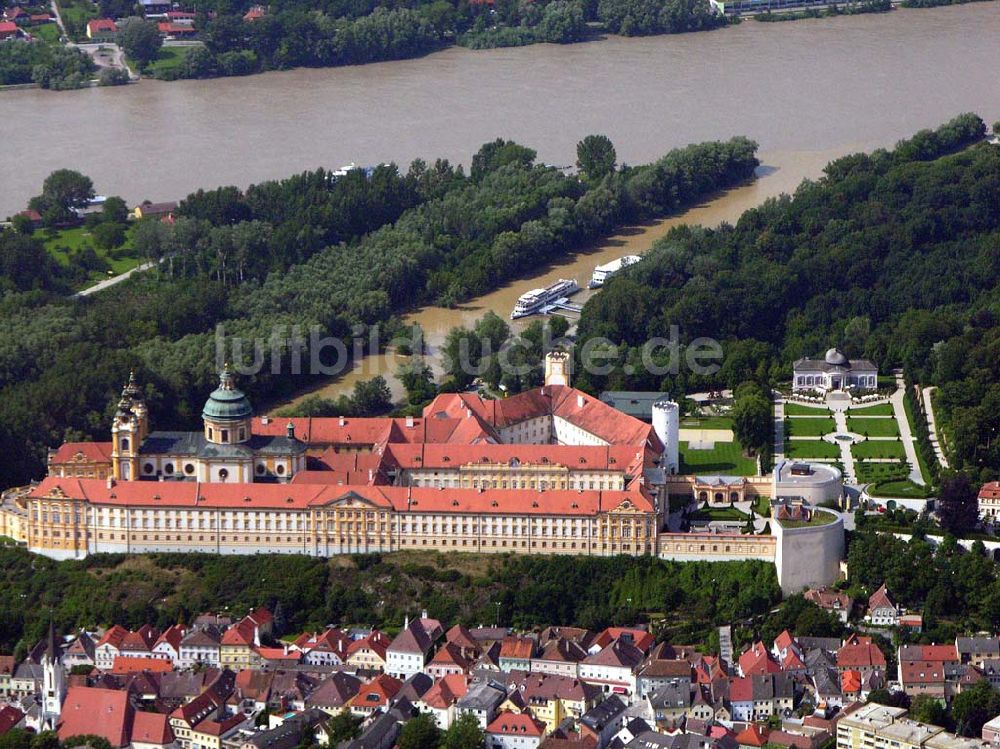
(932, 426)
(109, 282)
(904, 431)
(779, 429)
(58, 15)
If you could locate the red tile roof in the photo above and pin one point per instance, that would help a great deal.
(990, 491)
(376, 641)
(152, 728)
(640, 637)
(377, 693)
(241, 634)
(850, 681)
(752, 735)
(8, 27)
(130, 665)
(446, 691)
(517, 647)
(101, 24)
(100, 712)
(10, 716)
(757, 660)
(113, 636)
(516, 724)
(860, 652)
(880, 599)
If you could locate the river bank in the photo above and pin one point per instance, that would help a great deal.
(812, 86)
(779, 173)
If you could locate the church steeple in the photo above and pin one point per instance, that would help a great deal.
(128, 430)
(53, 681)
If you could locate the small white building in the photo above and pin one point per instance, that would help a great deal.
(834, 372)
(514, 731)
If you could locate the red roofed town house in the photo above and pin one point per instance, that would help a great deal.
(882, 612)
(989, 503)
(756, 660)
(859, 653)
(108, 647)
(831, 600)
(440, 699)
(514, 731)
(375, 695)
(922, 668)
(9, 30)
(98, 712)
(151, 731)
(102, 30)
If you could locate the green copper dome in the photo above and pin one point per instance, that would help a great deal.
(227, 402)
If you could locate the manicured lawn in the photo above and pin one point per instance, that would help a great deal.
(818, 518)
(801, 427)
(879, 409)
(64, 242)
(870, 473)
(878, 449)
(706, 422)
(899, 488)
(724, 458)
(47, 32)
(168, 59)
(719, 513)
(762, 506)
(873, 427)
(797, 409)
(810, 449)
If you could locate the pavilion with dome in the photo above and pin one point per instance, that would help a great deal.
(226, 450)
(834, 372)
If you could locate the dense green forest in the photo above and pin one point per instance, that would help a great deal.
(378, 590)
(49, 65)
(317, 251)
(298, 33)
(892, 255)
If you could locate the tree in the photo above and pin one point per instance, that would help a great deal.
(418, 379)
(957, 505)
(115, 210)
(928, 709)
(464, 733)
(343, 726)
(500, 152)
(372, 397)
(108, 235)
(973, 707)
(595, 156)
(752, 422)
(141, 40)
(420, 732)
(891, 699)
(63, 190)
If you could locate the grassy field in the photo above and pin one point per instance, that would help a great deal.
(762, 506)
(899, 488)
(797, 409)
(810, 449)
(719, 513)
(706, 422)
(724, 458)
(801, 427)
(168, 59)
(871, 473)
(879, 409)
(873, 427)
(818, 518)
(75, 14)
(47, 32)
(878, 449)
(62, 243)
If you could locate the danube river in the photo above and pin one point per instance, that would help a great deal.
(803, 86)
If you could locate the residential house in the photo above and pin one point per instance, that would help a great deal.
(977, 650)
(375, 696)
(80, 652)
(604, 720)
(672, 702)
(335, 692)
(482, 699)
(882, 612)
(560, 656)
(237, 649)
(614, 667)
(151, 731)
(827, 686)
(439, 701)
(102, 30)
(834, 601)
(859, 653)
(989, 503)
(139, 644)
(327, 648)
(991, 731)
(207, 708)
(921, 668)
(514, 731)
(552, 699)
(516, 652)
(108, 647)
(788, 653)
(10, 717)
(657, 671)
(451, 658)
(369, 652)
(148, 209)
(760, 697)
(638, 637)
(168, 645)
(407, 654)
(757, 660)
(130, 664)
(200, 646)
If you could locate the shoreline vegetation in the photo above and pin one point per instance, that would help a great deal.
(336, 33)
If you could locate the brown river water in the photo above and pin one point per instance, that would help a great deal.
(807, 91)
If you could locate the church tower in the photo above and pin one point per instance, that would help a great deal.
(129, 428)
(227, 413)
(53, 683)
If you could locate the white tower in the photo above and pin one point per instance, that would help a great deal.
(557, 368)
(53, 684)
(666, 424)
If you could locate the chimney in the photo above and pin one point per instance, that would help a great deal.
(265, 420)
(371, 475)
(290, 430)
(409, 422)
(423, 614)
(580, 401)
(111, 481)
(341, 421)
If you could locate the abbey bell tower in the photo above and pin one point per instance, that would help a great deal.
(129, 428)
